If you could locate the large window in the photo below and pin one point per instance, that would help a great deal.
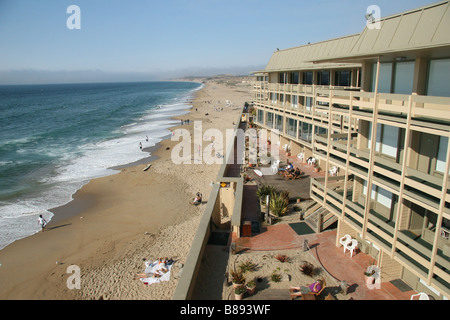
(385, 78)
(379, 194)
(291, 127)
(307, 78)
(387, 139)
(294, 78)
(323, 78)
(273, 97)
(439, 78)
(442, 154)
(308, 103)
(260, 116)
(294, 101)
(279, 123)
(404, 77)
(305, 131)
(269, 119)
(343, 78)
(283, 77)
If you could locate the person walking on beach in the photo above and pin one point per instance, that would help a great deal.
(42, 222)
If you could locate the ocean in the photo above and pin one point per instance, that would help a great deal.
(55, 138)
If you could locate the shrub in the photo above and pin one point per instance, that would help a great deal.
(275, 277)
(308, 269)
(237, 277)
(247, 266)
(278, 205)
(282, 258)
(265, 190)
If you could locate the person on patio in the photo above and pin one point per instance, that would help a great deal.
(293, 174)
(315, 287)
(289, 167)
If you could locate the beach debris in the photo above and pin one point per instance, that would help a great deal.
(285, 277)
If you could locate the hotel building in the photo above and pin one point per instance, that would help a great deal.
(376, 107)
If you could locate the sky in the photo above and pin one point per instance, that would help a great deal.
(144, 40)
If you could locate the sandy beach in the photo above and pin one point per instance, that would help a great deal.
(115, 222)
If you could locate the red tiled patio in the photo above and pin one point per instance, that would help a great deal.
(341, 266)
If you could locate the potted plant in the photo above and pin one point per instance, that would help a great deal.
(237, 278)
(239, 292)
(369, 274)
(251, 287)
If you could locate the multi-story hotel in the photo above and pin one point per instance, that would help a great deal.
(376, 107)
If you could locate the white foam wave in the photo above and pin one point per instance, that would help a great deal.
(89, 161)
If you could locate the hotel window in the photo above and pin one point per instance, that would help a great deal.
(307, 78)
(279, 123)
(283, 78)
(320, 130)
(295, 101)
(308, 103)
(260, 116)
(273, 97)
(269, 119)
(282, 99)
(439, 78)
(343, 78)
(305, 131)
(387, 139)
(379, 194)
(323, 78)
(385, 78)
(294, 78)
(442, 154)
(291, 127)
(404, 77)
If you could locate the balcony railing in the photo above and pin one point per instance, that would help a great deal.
(416, 252)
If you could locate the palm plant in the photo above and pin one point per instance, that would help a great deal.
(278, 205)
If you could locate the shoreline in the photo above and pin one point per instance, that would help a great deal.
(116, 221)
(80, 203)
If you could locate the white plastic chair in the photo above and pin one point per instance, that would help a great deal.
(333, 171)
(344, 240)
(421, 295)
(301, 156)
(274, 169)
(351, 246)
(312, 161)
(276, 163)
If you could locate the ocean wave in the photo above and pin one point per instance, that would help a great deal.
(70, 165)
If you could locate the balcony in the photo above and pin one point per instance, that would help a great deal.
(419, 187)
(415, 251)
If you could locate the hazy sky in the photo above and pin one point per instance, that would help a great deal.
(147, 39)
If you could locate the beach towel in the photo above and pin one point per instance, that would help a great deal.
(153, 268)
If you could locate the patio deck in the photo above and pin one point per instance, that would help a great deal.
(341, 266)
(323, 245)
